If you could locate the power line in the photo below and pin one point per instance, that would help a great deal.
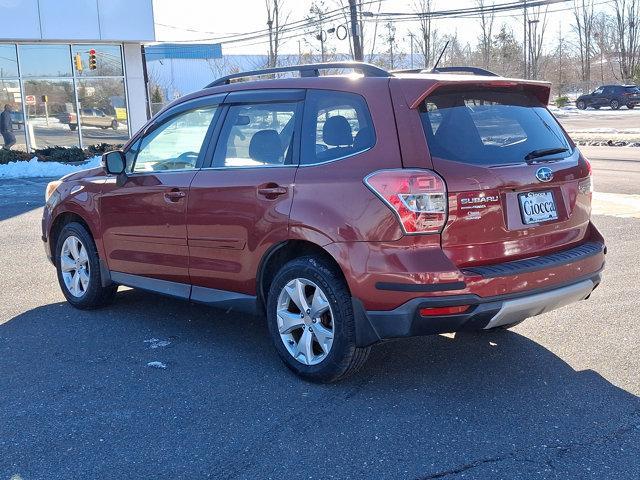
(299, 25)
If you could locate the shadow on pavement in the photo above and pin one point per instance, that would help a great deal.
(21, 195)
(78, 400)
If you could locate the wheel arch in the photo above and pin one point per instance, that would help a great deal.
(58, 224)
(282, 253)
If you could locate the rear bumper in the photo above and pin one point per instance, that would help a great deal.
(483, 313)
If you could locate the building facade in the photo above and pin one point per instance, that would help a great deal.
(72, 70)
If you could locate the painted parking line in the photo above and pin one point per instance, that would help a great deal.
(616, 205)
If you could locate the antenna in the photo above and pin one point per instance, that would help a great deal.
(440, 57)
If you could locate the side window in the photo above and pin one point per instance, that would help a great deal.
(255, 135)
(176, 144)
(598, 91)
(335, 125)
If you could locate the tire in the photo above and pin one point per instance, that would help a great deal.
(71, 273)
(73, 127)
(114, 125)
(581, 104)
(324, 365)
(630, 106)
(614, 104)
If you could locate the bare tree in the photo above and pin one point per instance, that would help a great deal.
(537, 29)
(627, 22)
(426, 35)
(276, 21)
(390, 40)
(317, 19)
(486, 19)
(583, 15)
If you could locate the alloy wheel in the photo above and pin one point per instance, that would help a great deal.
(74, 265)
(305, 321)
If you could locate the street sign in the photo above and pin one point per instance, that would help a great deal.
(30, 100)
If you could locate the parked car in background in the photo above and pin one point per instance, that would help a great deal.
(17, 120)
(90, 117)
(614, 96)
(346, 210)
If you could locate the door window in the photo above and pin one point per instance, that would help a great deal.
(336, 125)
(257, 135)
(176, 144)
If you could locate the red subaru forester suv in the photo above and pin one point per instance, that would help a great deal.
(348, 209)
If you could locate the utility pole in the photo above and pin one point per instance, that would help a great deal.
(355, 32)
(524, 40)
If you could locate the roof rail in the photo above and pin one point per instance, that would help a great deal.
(311, 70)
(460, 69)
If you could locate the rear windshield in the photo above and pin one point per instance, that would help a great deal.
(490, 127)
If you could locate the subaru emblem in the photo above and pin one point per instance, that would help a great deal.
(544, 174)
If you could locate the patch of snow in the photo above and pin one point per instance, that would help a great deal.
(571, 110)
(156, 343)
(157, 365)
(34, 168)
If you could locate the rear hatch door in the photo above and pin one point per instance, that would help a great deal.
(517, 186)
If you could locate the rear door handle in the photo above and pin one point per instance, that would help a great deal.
(272, 191)
(174, 195)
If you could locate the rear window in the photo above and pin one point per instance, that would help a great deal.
(489, 127)
(632, 89)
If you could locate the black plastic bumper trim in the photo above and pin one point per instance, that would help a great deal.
(542, 262)
(406, 321)
(421, 287)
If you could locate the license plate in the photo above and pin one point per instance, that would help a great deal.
(537, 207)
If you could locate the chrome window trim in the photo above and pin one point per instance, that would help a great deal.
(339, 158)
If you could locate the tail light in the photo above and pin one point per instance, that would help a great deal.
(417, 197)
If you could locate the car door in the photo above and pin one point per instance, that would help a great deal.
(240, 201)
(143, 219)
(597, 98)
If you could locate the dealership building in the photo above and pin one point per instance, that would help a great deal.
(73, 70)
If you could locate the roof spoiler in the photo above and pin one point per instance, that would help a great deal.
(416, 91)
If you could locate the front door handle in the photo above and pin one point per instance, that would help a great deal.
(174, 195)
(272, 190)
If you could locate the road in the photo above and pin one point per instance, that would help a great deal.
(555, 398)
(616, 169)
(600, 125)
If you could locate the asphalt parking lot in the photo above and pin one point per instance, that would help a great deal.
(556, 397)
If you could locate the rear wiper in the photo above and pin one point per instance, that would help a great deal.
(543, 152)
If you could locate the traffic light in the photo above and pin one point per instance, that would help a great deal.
(77, 60)
(92, 59)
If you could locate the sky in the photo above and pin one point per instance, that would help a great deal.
(183, 20)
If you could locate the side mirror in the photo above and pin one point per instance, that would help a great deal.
(114, 162)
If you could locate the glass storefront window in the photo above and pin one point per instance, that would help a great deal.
(10, 95)
(42, 82)
(108, 60)
(53, 118)
(103, 110)
(8, 61)
(40, 60)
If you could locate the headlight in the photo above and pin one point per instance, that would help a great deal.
(51, 187)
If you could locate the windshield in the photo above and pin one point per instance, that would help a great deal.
(490, 127)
